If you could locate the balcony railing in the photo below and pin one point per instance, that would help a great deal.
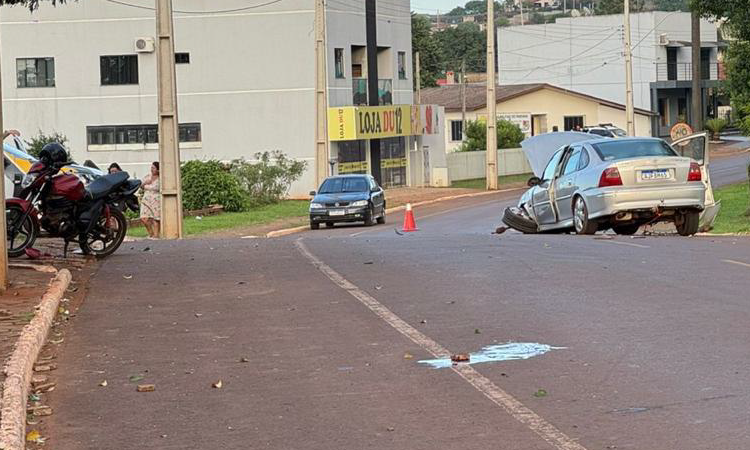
(359, 91)
(684, 71)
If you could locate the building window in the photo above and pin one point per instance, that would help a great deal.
(182, 58)
(338, 54)
(35, 72)
(573, 123)
(457, 133)
(663, 112)
(401, 65)
(121, 69)
(138, 134)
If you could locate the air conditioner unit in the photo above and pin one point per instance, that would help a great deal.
(663, 39)
(144, 45)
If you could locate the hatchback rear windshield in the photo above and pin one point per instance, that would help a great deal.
(611, 151)
(339, 185)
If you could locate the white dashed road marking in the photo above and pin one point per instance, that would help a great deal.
(628, 244)
(510, 404)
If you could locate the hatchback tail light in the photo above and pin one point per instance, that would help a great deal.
(695, 172)
(610, 177)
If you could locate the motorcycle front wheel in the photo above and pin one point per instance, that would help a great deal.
(106, 236)
(22, 231)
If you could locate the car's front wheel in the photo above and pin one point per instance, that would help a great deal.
(370, 217)
(581, 221)
(314, 226)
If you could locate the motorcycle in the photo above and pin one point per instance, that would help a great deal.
(92, 216)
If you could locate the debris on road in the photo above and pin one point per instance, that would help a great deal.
(398, 232)
(103, 383)
(477, 331)
(217, 385)
(408, 355)
(494, 353)
(146, 388)
(500, 230)
(244, 360)
(367, 263)
(135, 378)
(461, 357)
(128, 277)
(540, 393)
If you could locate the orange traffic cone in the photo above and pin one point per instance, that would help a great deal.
(409, 224)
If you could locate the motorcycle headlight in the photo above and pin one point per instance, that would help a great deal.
(360, 203)
(28, 180)
(316, 206)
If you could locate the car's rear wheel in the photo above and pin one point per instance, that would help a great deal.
(627, 230)
(329, 224)
(314, 226)
(687, 223)
(516, 219)
(581, 221)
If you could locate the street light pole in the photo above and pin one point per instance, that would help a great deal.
(321, 149)
(491, 157)
(169, 142)
(629, 111)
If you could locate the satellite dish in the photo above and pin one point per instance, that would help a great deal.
(575, 13)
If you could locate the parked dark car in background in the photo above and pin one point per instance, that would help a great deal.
(347, 198)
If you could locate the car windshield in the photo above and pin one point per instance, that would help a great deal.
(339, 185)
(611, 151)
(619, 133)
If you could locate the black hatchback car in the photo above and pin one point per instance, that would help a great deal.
(347, 198)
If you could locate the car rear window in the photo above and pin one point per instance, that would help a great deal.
(612, 151)
(339, 185)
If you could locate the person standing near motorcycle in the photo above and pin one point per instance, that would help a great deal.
(151, 202)
(114, 168)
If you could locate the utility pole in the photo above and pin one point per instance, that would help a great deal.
(169, 142)
(697, 94)
(418, 79)
(321, 147)
(371, 31)
(491, 100)
(521, 3)
(463, 100)
(629, 111)
(3, 230)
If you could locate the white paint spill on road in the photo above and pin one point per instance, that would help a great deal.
(495, 353)
(533, 421)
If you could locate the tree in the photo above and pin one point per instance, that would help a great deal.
(735, 12)
(457, 11)
(672, 5)
(509, 135)
(32, 4)
(36, 144)
(465, 42)
(737, 83)
(425, 42)
(617, 6)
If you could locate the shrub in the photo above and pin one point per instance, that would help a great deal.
(206, 183)
(268, 180)
(715, 126)
(509, 135)
(35, 145)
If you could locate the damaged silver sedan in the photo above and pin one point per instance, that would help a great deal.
(585, 184)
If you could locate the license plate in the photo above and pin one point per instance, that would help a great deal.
(336, 212)
(657, 174)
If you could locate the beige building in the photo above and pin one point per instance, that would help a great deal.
(536, 108)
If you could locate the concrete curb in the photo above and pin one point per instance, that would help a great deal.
(20, 366)
(288, 231)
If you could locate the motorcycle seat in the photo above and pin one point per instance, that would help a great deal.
(102, 186)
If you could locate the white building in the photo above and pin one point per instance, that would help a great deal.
(245, 77)
(585, 54)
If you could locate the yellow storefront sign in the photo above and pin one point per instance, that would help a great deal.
(349, 123)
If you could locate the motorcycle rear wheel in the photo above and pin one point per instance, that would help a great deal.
(27, 231)
(106, 236)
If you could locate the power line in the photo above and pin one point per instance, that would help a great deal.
(225, 11)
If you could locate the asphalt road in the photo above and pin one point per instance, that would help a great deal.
(729, 169)
(651, 341)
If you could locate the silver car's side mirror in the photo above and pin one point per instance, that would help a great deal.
(534, 181)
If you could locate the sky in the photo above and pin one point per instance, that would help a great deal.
(431, 6)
